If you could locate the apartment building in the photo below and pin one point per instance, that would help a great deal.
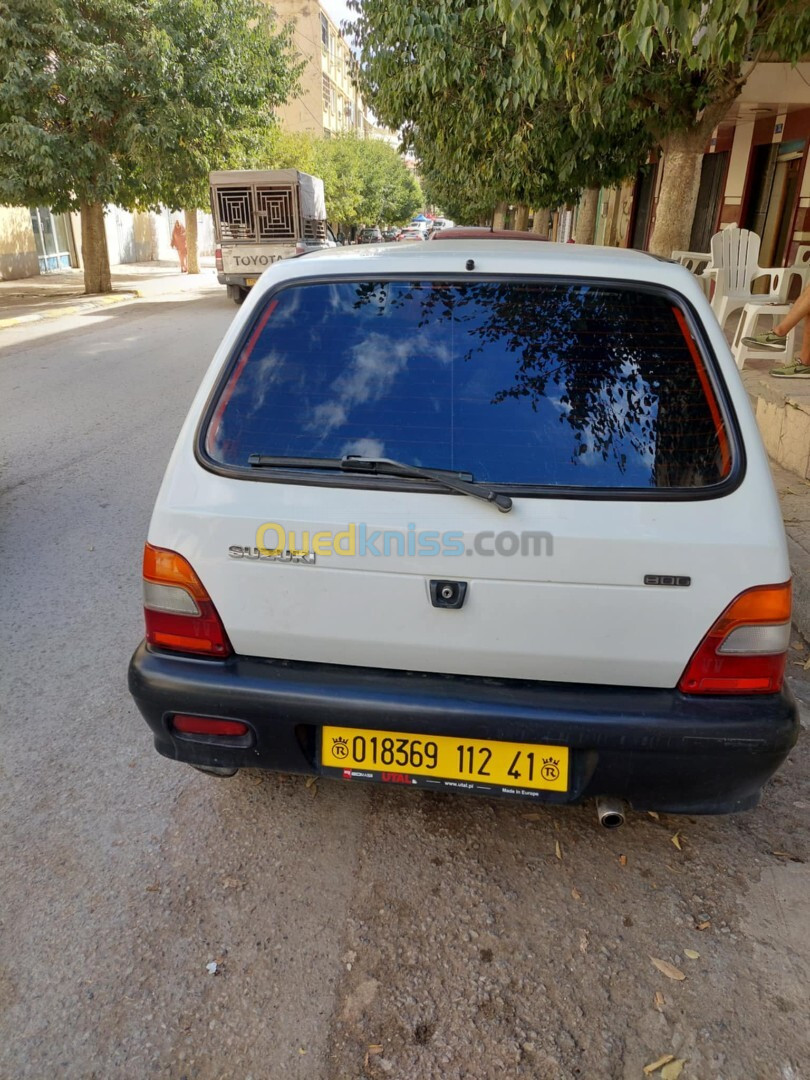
(328, 103)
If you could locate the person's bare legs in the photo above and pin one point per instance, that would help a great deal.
(800, 310)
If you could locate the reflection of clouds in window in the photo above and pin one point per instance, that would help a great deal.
(269, 372)
(370, 448)
(340, 298)
(287, 309)
(375, 363)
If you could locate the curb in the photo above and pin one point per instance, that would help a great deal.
(73, 309)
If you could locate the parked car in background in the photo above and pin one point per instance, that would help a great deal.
(474, 232)
(391, 234)
(412, 234)
(370, 235)
(481, 517)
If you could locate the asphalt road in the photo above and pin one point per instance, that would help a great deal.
(357, 932)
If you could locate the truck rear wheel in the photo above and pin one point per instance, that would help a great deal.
(237, 293)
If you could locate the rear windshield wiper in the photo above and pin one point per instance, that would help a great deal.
(387, 467)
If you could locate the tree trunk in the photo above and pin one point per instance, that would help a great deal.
(191, 241)
(683, 157)
(499, 216)
(586, 218)
(521, 217)
(95, 256)
(540, 223)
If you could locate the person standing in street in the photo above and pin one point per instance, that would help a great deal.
(799, 366)
(180, 246)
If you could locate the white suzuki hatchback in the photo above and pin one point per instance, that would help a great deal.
(479, 516)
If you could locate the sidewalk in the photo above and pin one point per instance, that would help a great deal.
(50, 296)
(782, 409)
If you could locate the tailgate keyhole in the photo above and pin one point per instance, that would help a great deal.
(447, 594)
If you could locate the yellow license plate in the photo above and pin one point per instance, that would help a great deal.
(251, 280)
(443, 761)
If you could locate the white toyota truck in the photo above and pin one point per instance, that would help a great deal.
(261, 216)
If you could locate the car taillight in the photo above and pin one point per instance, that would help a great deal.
(178, 611)
(218, 259)
(746, 650)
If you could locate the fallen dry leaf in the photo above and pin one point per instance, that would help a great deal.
(310, 780)
(676, 840)
(583, 941)
(690, 954)
(658, 1000)
(622, 860)
(654, 1066)
(782, 854)
(669, 970)
(531, 817)
(577, 895)
(232, 883)
(673, 1070)
(557, 849)
(153, 888)
(806, 664)
(654, 815)
(375, 1048)
(704, 925)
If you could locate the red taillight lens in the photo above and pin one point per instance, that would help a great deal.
(218, 259)
(208, 725)
(746, 650)
(178, 611)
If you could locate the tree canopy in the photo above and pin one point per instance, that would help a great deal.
(365, 180)
(231, 68)
(131, 102)
(450, 74)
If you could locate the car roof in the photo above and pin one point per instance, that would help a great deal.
(491, 258)
(464, 232)
(496, 256)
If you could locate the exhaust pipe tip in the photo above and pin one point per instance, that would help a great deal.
(611, 812)
(216, 770)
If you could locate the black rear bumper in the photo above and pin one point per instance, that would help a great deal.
(658, 749)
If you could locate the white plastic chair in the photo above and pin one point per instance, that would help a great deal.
(735, 267)
(800, 269)
(695, 261)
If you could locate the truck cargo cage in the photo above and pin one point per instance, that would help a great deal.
(277, 207)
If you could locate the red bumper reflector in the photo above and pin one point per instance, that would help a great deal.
(207, 725)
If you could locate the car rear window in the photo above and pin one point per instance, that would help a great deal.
(533, 383)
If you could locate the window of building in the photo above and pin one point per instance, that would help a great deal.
(324, 33)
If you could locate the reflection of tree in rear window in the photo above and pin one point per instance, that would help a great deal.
(549, 384)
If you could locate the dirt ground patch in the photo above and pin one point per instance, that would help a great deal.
(493, 939)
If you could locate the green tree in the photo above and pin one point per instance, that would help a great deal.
(676, 66)
(232, 68)
(451, 75)
(365, 180)
(77, 90)
(108, 101)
